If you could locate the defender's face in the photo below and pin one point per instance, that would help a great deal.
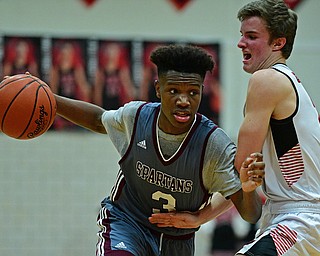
(180, 95)
(254, 43)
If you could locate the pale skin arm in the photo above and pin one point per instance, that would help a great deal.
(270, 95)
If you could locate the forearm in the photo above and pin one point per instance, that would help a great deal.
(251, 207)
(81, 113)
(218, 206)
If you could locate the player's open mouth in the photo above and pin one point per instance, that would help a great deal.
(246, 56)
(182, 116)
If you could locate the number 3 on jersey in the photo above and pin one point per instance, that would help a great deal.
(169, 206)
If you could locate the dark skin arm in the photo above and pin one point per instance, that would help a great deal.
(247, 203)
(81, 113)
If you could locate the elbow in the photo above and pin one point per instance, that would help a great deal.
(98, 125)
(100, 129)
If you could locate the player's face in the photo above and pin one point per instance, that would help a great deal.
(180, 95)
(254, 43)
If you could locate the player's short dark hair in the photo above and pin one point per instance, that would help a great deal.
(182, 58)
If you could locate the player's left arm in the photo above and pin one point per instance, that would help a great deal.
(248, 203)
(218, 206)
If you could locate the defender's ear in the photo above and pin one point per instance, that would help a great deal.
(279, 43)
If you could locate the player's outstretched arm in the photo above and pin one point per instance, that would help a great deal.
(81, 113)
(247, 202)
(218, 206)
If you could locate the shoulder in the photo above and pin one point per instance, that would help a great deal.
(127, 111)
(269, 83)
(268, 77)
(132, 107)
(219, 142)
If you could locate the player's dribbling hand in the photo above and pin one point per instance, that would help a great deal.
(252, 172)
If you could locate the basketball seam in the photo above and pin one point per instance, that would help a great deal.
(14, 98)
(12, 81)
(33, 111)
(44, 87)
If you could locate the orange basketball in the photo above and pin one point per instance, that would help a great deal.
(27, 107)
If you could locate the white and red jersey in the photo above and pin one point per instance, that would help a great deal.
(292, 150)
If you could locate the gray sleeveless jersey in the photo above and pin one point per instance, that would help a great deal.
(149, 182)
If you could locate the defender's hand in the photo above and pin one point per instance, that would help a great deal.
(252, 172)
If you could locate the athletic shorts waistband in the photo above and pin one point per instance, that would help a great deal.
(182, 237)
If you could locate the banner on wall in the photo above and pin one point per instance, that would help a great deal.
(89, 3)
(211, 96)
(180, 4)
(149, 72)
(292, 4)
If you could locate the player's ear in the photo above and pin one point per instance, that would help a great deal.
(157, 87)
(278, 43)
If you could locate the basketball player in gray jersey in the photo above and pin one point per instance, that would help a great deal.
(172, 159)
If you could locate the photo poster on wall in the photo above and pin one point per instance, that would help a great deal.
(211, 97)
(113, 85)
(148, 71)
(68, 74)
(20, 54)
(107, 72)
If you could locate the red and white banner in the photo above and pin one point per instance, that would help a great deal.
(180, 4)
(89, 3)
(292, 4)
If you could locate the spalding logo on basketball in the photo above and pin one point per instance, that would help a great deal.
(27, 107)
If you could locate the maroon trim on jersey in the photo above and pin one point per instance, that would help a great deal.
(207, 196)
(154, 134)
(118, 186)
(184, 144)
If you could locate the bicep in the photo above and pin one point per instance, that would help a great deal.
(260, 104)
(252, 134)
